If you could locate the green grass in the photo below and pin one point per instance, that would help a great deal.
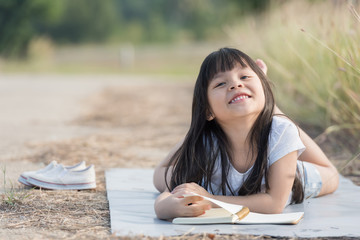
(177, 60)
(313, 55)
(11, 195)
(311, 48)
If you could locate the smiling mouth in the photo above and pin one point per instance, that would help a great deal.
(239, 98)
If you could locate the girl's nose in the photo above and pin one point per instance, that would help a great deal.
(236, 85)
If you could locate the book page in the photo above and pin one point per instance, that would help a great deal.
(212, 216)
(231, 208)
(229, 213)
(282, 218)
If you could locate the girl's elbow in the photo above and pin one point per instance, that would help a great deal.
(164, 206)
(158, 212)
(331, 182)
(334, 181)
(158, 185)
(277, 206)
(276, 203)
(276, 209)
(158, 180)
(158, 209)
(272, 210)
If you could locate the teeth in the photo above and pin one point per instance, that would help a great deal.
(239, 98)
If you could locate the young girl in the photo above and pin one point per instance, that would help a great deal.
(240, 148)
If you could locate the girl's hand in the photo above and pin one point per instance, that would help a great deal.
(175, 205)
(188, 188)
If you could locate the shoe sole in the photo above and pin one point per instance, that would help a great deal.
(24, 181)
(61, 186)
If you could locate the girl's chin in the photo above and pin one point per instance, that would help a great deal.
(243, 116)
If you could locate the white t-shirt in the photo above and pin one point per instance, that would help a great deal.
(283, 139)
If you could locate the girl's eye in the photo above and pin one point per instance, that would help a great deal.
(244, 77)
(219, 84)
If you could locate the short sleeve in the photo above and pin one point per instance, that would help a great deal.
(284, 138)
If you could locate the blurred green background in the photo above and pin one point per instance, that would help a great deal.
(311, 47)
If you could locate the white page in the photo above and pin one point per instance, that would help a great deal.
(283, 218)
(231, 208)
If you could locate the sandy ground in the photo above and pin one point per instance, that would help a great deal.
(111, 121)
(42, 108)
(37, 108)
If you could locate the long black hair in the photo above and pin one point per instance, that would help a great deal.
(206, 142)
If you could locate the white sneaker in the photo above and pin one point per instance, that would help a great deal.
(25, 175)
(60, 178)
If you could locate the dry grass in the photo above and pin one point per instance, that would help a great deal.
(137, 127)
(59, 214)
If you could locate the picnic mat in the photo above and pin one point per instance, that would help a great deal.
(131, 196)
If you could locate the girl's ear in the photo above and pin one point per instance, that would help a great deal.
(261, 64)
(210, 116)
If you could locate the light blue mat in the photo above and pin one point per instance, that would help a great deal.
(131, 198)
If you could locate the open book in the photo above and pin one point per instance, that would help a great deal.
(237, 214)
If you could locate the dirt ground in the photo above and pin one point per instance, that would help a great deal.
(114, 121)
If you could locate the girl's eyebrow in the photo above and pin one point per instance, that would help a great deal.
(241, 69)
(217, 75)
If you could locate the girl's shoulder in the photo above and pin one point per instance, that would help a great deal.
(282, 127)
(282, 122)
(284, 138)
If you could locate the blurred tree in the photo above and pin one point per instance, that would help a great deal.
(161, 20)
(249, 7)
(82, 21)
(17, 23)
(197, 16)
(79, 21)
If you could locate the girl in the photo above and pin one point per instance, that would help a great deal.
(240, 148)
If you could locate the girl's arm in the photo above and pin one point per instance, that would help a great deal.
(159, 173)
(313, 154)
(281, 178)
(168, 206)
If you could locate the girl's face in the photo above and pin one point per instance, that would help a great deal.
(235, 93)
